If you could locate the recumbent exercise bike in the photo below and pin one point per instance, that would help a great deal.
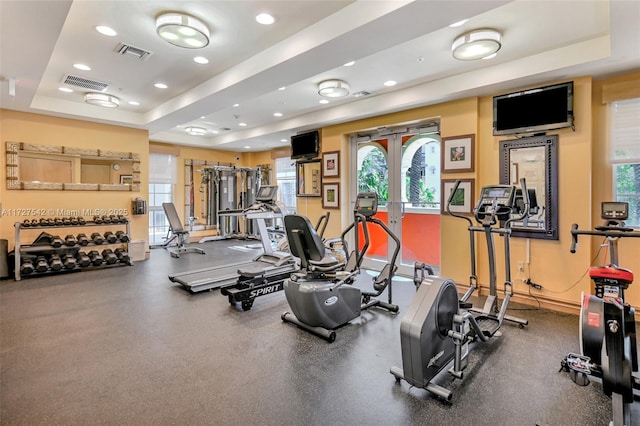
(321, 295)
(435, 331)
(607, 323)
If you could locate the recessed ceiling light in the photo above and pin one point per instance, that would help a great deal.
(323, 101)
(459, 23)
(200, 60)
(82, 67)
(236, 105)
(348, 64)
(242, 124)
(65, 89)
(108, 31)
(247, 147)
(390, 83)
(161, 85)
(281, 88)
(133, 103)
(265, 19)
(277, 114)
(284, 140)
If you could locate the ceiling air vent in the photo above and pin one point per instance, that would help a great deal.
(361, 94)
(85, 83)
(128, 50)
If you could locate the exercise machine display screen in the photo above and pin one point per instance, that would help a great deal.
(267, 193)
(500, 197)
(367, 203)
(614, 210)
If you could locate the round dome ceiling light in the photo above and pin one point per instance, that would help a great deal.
(102, 99)
(476, 44)
(196, 131)
(333, 89)
(182, 30)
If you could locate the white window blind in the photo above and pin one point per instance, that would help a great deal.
(162, 168)
(625, 131)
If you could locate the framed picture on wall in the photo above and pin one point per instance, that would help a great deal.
(330, 196)
(331, 164)
(457, 154)
(128, 179)
(462, 201)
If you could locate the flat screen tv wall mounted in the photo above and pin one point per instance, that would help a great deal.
(534, 110)
(305, 145)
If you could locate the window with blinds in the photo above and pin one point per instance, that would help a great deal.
(625, 155)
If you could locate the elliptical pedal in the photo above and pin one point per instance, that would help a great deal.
(488, 325)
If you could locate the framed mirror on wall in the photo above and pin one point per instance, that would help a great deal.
(535, 159)
(308, 178)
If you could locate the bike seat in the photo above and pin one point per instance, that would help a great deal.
(611, 275)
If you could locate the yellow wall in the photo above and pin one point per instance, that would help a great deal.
(40, 129)
(584, 181)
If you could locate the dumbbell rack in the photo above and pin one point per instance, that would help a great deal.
(28, 248)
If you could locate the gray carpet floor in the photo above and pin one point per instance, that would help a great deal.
(126, 346)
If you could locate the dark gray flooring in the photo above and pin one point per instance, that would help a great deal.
(127, 346)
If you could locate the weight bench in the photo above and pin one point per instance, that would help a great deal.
(176, 232)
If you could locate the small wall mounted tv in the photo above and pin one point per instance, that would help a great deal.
(534, 110)
(305, 145)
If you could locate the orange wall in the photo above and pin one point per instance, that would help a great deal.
(40, 129)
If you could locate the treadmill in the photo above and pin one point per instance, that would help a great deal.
(271, 265)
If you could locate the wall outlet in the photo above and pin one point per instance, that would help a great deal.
(521, 266)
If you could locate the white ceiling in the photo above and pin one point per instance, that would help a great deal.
(405, 41)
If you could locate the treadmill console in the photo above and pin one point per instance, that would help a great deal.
(495, 201)
(267, 194)
(367, 204)
(614, 210)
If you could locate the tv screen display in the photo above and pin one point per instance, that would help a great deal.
(535, 110)
(305, 145)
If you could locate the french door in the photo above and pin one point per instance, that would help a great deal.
(402, 166)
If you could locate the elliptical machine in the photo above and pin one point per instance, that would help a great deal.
(607, 323)
(321, 295)
(435, 331)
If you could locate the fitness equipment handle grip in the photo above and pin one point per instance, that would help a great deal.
(574, 238)
(450, 199)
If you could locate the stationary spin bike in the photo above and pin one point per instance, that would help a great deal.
(435, 330)
(607, 323)
(321, 295)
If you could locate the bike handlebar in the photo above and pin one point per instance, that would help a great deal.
(603, 231)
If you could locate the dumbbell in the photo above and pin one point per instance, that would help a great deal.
(122, 236)
(82, 221)
(123, 219)
(41, 264)
(83, 259)
(66, 221)
(27, 267)
(109, 256)
(82, 239)
(97, 219)
(73, 220)
(56, 241)
(57, 221)
(97, 238)
(69, 261)
(110, 237)
(44, 221)
(106, 219)
(26, 223)
(122, 255)
(55, 263)
(70, 240)
(95, 257)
